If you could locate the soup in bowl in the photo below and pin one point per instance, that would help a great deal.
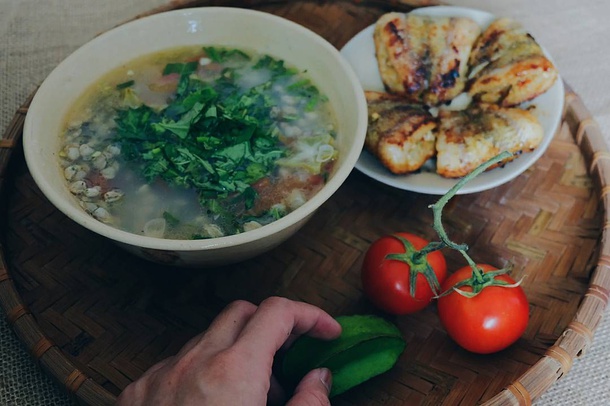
(196, 137)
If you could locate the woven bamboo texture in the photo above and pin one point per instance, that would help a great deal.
(95, 317)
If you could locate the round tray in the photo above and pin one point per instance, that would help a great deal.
(96, 317)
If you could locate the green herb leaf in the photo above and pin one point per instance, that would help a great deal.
(171, 220)
(222, 54)
(180, 68)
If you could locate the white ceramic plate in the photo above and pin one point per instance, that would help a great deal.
(360, 53)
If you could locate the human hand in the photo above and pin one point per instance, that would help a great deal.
(231, 362)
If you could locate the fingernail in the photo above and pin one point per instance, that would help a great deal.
(326, 378)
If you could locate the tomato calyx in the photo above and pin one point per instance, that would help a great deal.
(481, 280)
(418, 263)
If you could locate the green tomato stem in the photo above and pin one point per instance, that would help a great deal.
(430, 247)
(437, 210)
(417, 259)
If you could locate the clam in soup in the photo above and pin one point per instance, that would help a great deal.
(196, 143)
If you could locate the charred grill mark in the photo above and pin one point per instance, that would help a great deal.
(417, 84)
(421, 71)
(416, 122)
(423, 121)
(504, 94)
(414, 84)
(448, 79)
(411, 109)
(395, 34)
(421, 74)
(489, 80)
(490, 40)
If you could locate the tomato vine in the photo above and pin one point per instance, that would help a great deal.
(480, 306)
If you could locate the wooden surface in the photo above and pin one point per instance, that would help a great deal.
(97, 317)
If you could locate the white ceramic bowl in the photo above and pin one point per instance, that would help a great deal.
(229, 27)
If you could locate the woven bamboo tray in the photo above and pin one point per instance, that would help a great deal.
(95, 317)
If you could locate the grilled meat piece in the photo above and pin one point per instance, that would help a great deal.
(508, 67)
(424, 58)
(399, 134)
(400, 54)
(470, 137)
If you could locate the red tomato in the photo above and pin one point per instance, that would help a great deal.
(488, 322)
(386, 281)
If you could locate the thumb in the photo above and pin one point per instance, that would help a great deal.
(313, 389)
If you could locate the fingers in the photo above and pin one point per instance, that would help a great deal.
(236, 353)
(313, 389)
(276, 394)
(276, 319)
(224, 330)
(157, 367)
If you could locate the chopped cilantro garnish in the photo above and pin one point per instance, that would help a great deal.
(222, 54)
(215, 136)
(305, 88)
(181, 68)
(217, 139)
(276, 66)
(171, 220)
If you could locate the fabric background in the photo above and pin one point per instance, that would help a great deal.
(35, 35)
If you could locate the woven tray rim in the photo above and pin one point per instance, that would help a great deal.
(554, 364)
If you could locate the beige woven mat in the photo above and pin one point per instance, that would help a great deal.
(35, 35)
